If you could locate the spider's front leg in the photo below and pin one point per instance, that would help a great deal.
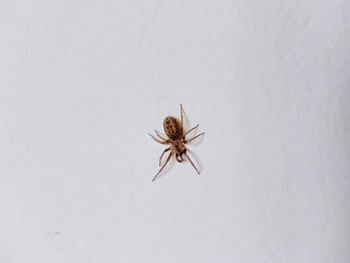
(161, 157)
(189, 159)
(166, 162)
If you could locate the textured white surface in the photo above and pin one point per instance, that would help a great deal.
(83, 82)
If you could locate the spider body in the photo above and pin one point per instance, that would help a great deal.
(172, 128)
(176, 138)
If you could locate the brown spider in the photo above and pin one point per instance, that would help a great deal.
(176, 138)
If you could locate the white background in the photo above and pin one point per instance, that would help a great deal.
(83, 82)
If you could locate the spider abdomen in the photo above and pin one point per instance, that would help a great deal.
(172, 128)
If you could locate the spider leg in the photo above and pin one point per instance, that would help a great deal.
(161, 169)
(160, 159)
(157, 140)
(191, 129)
(159, 135)
(188, 158)
(195, 137)
(182, 117)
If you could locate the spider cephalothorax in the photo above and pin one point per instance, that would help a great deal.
(176, 139)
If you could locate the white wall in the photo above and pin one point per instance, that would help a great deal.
(83, 82)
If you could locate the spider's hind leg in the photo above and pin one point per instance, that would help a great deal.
(161, 136)
(158, 140)
(195, 137)
(182, 117)
(191, 129)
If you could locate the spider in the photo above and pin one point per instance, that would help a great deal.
(176, 139)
